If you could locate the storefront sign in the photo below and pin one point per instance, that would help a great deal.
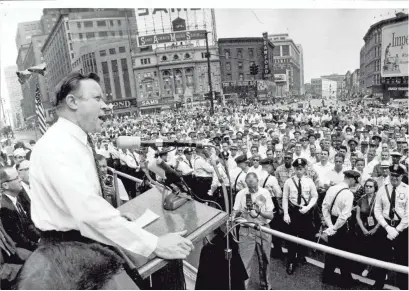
(179, 24)
(266, 71)
(149, 102)
(398, 89)
(171, 37)
(280, 77)
(123, 104)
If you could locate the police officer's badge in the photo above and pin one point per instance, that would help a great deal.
(401, 196)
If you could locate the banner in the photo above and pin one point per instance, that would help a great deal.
(171, 37)
(394, 54)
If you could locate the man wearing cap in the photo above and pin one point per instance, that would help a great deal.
(377, 169)
(391, 211)
(238, 175)
(299, 196)
(336, 210)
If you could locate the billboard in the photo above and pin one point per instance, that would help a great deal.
(394, 54)
(280, 77)
(163, 21)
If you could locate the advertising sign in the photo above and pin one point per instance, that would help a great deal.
(123, 104)
(150, 21)
(239, 86)
(171, 37)
(149, 102)
(266, 71)
(394, 54)
(280, 77)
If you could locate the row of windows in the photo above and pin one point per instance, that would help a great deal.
(94, 35)
(116, 76)
(112, 51)
(239, 53)
(146, 61)
(90, 24)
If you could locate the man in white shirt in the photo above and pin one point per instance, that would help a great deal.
(256, 168)
(66, 190)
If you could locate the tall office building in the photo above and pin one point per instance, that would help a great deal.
(15, 95)
(288, 61)
(76, 28)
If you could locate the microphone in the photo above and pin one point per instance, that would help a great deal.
(135, 142)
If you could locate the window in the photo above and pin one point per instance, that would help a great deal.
(240, 65)
(67, 26)
(112, 33)
(251, 53)
(103, 34)
(69, 36)
(121, 33)
(175, 57)
(125, 77)
(88, 24)
(72, 55)
(187, 56)
(111, 22)
(119, 22)
(164, 58)
(203, 55)
(227, 54)
(80, 35)
(145, 61)
(239, 53)
(228, 77)
(112, 51)
(90, 35)
(121, 49)
(155, 74)
(71, 46)
(241, 77)
(117, 84)
(79, 24)
(228, 67)
(286, 50)
(102, 53)
(101, 23)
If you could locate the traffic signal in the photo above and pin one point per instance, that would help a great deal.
(254, 69)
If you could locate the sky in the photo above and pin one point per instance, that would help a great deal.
(331, 38)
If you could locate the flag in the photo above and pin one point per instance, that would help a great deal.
(23, 76)
(40, 111)
(39, 69)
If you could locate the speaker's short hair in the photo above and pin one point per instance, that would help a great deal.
(71, 83)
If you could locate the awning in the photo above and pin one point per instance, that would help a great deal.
(151, 107)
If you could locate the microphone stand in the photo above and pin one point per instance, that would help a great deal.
(228, 251)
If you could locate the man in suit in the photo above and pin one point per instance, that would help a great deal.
(24, 197)
(17, 223)
(11, 260)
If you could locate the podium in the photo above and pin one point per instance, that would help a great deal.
(198, 219)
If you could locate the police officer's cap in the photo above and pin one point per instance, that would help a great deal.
(288, 154)
(297, 131)
(241, 159)
(187, 151)
(377, 137)
(396, 154)
(234, 147)
(311, 135)
(396, 170)
(267, 161)
(364, 143)
(352, 174)
(303, 138)
(300, 162)
(353, 140)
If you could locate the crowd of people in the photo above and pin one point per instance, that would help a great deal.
(338, 175)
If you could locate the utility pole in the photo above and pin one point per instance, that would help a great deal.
(209, 74)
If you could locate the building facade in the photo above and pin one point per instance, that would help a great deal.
(112, 62)
(239, 54)
(288, 58)
(371, 81)
(15, 95)
(168, 76)
(302, 68)
(329, 88)
(340, 80)
(316, 87)
(78, 28)
(32, 58)
(25, 30)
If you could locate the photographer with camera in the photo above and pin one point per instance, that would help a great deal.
(255, 205)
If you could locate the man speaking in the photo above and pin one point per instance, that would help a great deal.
(68, 202)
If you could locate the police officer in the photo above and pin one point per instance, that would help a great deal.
(270, 183)
(392, 214)
(238, 175)
(299, 196)
(336, 210)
